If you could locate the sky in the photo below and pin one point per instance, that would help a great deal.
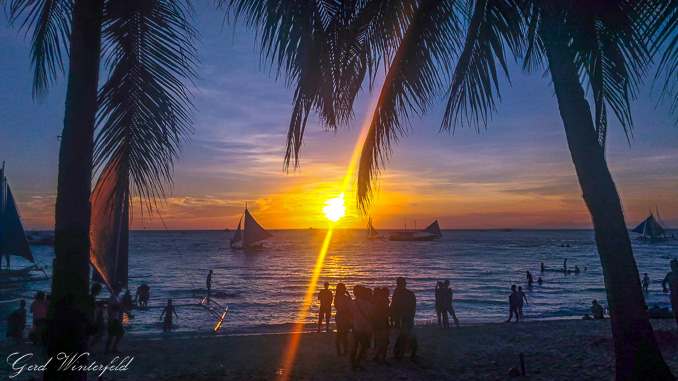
(516, 173)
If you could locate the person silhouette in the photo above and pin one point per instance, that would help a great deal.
(208, 283)
(529, 279)
(521, 298)
(447, 305)
(362, 311)
(97, 315)
(439, 303)
(168, 310)
(127, 300)
(403, 310)
(142, 295)
(115, 311)
(513, 304)
(597, 310)
(672, 279)
(39, 309)
(646, 282)
(16, 323)
(325, 297)
(381, 324)
(342, 300)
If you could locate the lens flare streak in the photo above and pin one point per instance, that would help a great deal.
(293, 343)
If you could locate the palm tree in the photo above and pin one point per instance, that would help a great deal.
(143, 110)
(460, 48)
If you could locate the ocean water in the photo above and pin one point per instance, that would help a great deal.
(266, 289)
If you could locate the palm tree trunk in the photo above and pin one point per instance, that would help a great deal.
(70, 281)
(636, 351)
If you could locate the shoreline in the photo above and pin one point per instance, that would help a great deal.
(562, 349)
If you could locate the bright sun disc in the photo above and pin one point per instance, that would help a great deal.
(335, 208)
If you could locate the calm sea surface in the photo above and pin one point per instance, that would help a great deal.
(266, 288)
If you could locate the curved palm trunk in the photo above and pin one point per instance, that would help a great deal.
(636, 351)
(71, 267)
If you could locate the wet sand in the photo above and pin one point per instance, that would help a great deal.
(564, 349)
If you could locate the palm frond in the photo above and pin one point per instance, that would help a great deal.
(299, 39)
(145, 107)
(413, 80)
(664, 35)
(49, 21)
(493, 26)
(611, 53)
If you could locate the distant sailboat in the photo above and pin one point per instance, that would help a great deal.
(651, 230)
(372, 233)
(12, 236)
(430, 233)
(109, 231)
(250, 233)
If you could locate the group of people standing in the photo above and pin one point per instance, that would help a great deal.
(369, 316)
(16, 322)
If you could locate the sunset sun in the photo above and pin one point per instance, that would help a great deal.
(334, 208)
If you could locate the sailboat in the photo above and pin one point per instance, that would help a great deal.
(650, 230)
(372, 233)
(109, 229)
(12, 236)
(430, 233)
(250, 233)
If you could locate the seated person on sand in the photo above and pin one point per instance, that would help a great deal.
(597, 310)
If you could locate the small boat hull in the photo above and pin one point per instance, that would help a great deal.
(410, 236)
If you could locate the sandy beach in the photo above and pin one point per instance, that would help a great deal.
(553, 350)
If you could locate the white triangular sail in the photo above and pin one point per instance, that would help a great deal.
(238, 234)
(434, 229)
(12, 236)
(650, 227)
(253, 232)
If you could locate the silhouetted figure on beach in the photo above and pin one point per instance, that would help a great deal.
(530, 280)
(16, 323)
(521, 298)
(362, 312)
(597, 310)
(127, 301)
(115, 329)
(381, 323)
(672, 280)
(447, 305)
(439, 303)
(540, 281)
(513, 304)
(646, 282)
(403, 309)
(143, 294)
(342, 318)
(208, 283)
(97, 315)
(325, 297)
(39, 310)
(168, 311)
